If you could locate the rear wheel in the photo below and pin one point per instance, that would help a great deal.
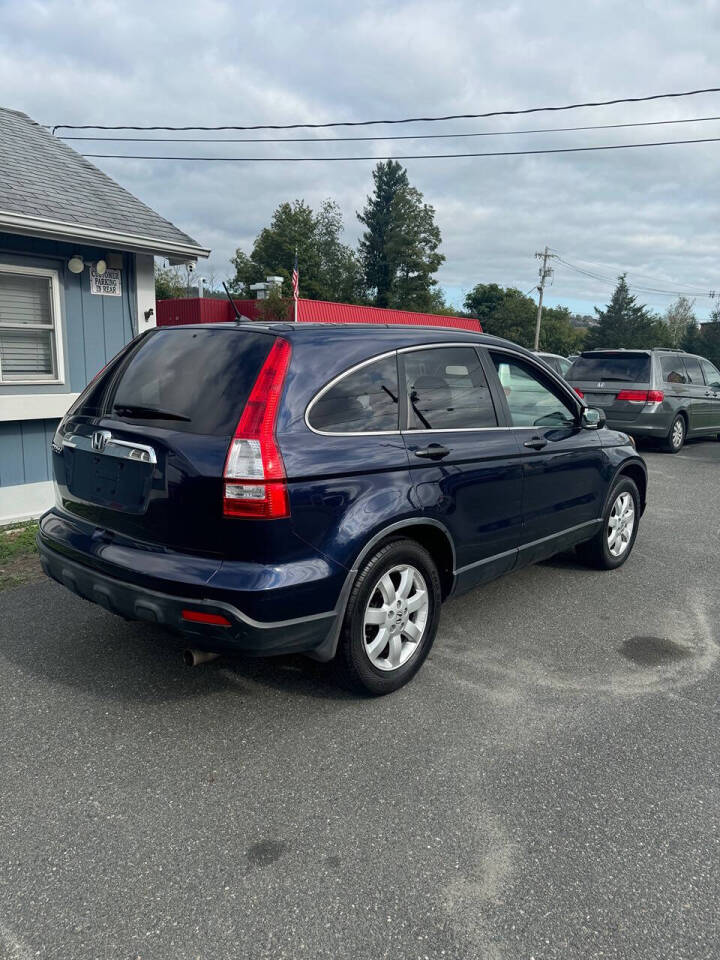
(391, 618)
(676, 437)
(613, 543)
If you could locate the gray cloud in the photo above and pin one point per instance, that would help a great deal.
(652, 212)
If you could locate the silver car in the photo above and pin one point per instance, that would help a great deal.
(666, 394)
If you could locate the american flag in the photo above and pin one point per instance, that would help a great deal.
(295, 279)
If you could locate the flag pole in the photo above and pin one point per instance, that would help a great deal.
(296, 284)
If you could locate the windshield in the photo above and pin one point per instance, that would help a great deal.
(625, 367)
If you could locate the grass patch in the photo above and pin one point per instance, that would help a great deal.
(19, 562)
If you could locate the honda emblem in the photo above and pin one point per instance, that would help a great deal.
(100, 440)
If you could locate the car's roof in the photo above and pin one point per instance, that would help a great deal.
(392, 334)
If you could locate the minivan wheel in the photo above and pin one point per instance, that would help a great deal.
(613, 543)
(391, 618)
(676, 438)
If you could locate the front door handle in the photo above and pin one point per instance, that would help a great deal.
(537, 443)
(433, 451)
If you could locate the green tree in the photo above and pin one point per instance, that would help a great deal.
(503, 312)
(399, 248)
(169, 283)
(678, 317)
(704, 338)
(328, 268)
(626, 323)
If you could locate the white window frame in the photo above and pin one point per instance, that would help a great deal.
(56, 326)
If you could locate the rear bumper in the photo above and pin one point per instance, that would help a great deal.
(645, 425)
(309, 634)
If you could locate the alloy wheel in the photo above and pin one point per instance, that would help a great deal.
(395, 618)
(621, 524)
(678, 433)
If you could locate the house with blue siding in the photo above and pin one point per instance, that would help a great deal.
(76, 283)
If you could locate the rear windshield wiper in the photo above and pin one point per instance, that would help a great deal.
(150, 413)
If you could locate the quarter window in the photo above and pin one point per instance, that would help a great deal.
(530, 401)
(673, 370)
(365, 401)
(692, 367)
(28, 325)
(447, 390)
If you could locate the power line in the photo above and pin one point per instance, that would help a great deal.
(369, 123)
(419, 156)
(412, 136)
(640, 288)
(645, 276)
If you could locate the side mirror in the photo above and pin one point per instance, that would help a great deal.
(593, 419)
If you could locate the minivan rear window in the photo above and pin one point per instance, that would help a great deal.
(188, 379)
(623, 367)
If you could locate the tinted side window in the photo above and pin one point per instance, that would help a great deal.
(692, 367)
(712, 376)
(447, 390)
(361, 402)
(531, 402)
(673, 370)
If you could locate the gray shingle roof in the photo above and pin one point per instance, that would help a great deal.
(40, 176)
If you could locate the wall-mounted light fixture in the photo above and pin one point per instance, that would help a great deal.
(100, 267)
(76, 264)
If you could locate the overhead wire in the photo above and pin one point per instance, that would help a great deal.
(368, 123)
(409, 136)
(411, 156)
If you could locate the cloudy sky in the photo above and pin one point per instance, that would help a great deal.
(654, 212)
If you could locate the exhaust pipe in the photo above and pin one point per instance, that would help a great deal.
(193, 658)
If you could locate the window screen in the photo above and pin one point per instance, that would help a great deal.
(673, 370)
(365, 401)
(531, 402)
(447, 390)
(27, 347)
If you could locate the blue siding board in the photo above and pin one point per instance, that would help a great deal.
(34, 458)
(93, 329)
(12, 468)
(75, 346)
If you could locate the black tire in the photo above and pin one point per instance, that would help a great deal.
(596, 552)
(673, 442)
(356, 667)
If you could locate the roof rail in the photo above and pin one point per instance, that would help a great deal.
(667, 350)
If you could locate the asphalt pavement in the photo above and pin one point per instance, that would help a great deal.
(546, 788)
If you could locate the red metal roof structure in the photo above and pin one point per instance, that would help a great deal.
(207, 310)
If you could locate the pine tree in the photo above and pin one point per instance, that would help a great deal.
(626, 323)
(398, 250)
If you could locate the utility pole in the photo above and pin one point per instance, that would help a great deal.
(545, 272)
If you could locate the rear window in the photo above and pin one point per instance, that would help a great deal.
(626, 368)
(189, 379)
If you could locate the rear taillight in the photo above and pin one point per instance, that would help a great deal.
(578, 391)
(254, 476)
(641, 396)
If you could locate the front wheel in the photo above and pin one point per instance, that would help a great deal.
(391, 618)
(676, 437)
(613, 543)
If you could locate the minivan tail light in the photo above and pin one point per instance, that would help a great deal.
(254, 476)
(578, 391)
(641, 396)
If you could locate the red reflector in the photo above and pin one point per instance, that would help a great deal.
(197, 616)
(578, 391)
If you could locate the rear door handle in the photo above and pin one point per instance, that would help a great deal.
(537, 443)
(433, 451)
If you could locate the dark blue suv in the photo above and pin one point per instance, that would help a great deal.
(323, 488)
